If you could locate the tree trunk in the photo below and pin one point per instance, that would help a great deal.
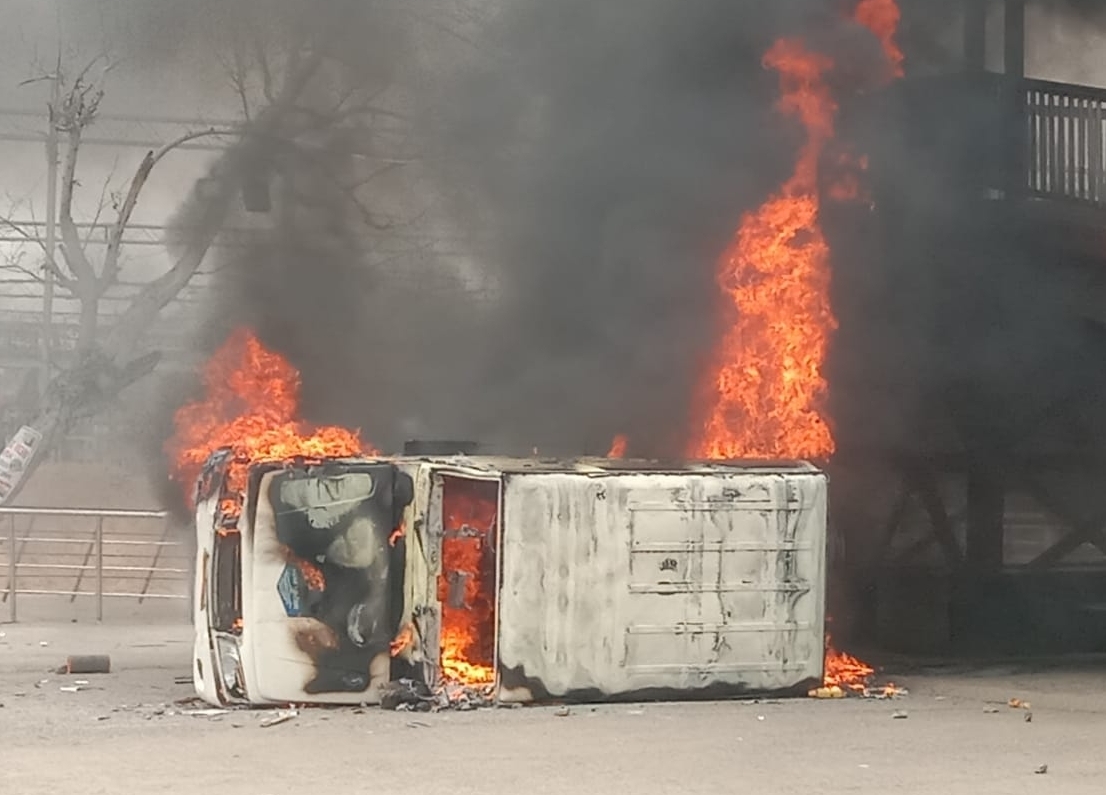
(82, 391)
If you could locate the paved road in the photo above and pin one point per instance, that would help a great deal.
(125, 734)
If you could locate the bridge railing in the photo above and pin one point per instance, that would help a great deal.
(95, 562)
(1066, 140)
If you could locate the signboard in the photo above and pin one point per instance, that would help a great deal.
(15, 459)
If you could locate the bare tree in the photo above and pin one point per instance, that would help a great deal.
(304, 97)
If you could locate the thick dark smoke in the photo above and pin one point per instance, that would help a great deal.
(611, 149)
(601, 155)
(1088, 9)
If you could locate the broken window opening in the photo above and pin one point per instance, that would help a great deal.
(226, 598)
(466, 585)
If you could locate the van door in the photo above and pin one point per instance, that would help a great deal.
(650, 584)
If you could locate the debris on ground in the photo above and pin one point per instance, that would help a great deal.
(71, 688)
(899, 714)
(1028, 717)
(990, 711)
(563, 712)
(1041, 770)
(889, 690)
(282, 716)
(408, 695)
(88, 664)
(205, 713)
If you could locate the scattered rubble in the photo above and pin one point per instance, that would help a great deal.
(88, 664)
(408, 695)
(899, 714)
(1041, 770)
(205, 713)
(881, 692)
(282, 716)
(563, 712)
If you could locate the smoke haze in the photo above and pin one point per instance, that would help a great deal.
(591, 158)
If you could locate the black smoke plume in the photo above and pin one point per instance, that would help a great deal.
(598, 157)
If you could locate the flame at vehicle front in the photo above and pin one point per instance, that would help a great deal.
(250, 405)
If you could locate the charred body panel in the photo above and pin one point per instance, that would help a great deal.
(336, 522)
(638, 585)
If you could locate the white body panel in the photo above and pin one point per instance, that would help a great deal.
(624, 583)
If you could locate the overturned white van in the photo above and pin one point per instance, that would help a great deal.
(583, 580)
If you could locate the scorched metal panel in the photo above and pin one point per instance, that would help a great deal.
(661, 584)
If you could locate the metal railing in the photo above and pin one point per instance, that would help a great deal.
(1066, 137)
(16, 545)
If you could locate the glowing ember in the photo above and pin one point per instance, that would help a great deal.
(404, 639)
(618, 447)
(466, 587)
(251, 402)
(312, 574)
(845, 671)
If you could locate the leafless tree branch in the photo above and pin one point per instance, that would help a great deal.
(100, 204)
(110, 271)
(62, 280)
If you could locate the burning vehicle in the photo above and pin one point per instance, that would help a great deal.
(326, 572)
(586, 580)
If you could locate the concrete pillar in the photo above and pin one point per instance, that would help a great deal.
(975, 35)
(1014, 39)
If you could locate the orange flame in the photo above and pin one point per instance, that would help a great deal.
(404, 639)
(764, 396)
(251, 402)
(767, 385)
(844, 670)
(882, 17)
(618, 447)
(466, 588)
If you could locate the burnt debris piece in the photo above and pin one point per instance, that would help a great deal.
(409, 695)
(88, 664)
